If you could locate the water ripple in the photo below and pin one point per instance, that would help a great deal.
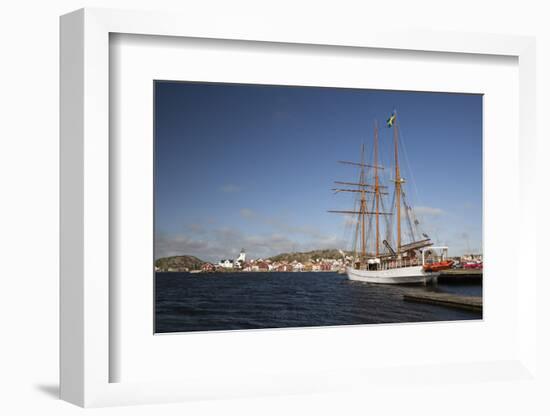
(209, 302)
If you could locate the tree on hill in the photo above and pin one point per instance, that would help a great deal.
(179, 263)
(314, 255)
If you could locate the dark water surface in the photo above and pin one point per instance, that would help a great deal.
(226, 301)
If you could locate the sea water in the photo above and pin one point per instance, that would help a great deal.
(248, 300)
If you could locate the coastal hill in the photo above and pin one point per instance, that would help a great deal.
(309, 256)
(186, 262)
(179, 263)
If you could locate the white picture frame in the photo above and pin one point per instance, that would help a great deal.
(85, 211)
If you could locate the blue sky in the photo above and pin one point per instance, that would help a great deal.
(249, 166)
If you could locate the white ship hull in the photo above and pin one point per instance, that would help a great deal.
(401, 275)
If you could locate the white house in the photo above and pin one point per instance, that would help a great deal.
(241, 260)
(225, 263)
(298, 267)
(234, 264)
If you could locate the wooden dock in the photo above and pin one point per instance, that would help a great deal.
(472, 303)
(460, 276)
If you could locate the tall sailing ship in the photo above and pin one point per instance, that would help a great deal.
(380, 253)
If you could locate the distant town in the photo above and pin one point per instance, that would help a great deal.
(314, 261)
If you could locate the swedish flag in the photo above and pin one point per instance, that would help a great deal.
(390, 121)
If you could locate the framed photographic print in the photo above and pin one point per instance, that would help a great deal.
(255, 166)
(276, 212)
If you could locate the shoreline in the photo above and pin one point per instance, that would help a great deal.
(447, 276)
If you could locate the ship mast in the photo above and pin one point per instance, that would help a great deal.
(363, 209)
(376, 188)
(398, 182)
(363, 189)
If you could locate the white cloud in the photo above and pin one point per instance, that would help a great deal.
(175, 245)
(280, 225)
(348, 220)
(227, 242)
(428, 211)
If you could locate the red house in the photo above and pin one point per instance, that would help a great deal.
(262, 266)
(208, 267)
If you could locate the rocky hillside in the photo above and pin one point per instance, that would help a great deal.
(187, 263)
(309, 256)
(179, 263)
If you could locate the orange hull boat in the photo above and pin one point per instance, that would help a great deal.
(436, 267)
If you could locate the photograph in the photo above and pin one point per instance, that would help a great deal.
(279, 206)
(275, 208)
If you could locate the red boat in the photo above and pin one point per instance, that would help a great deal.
(438, 266)
(476, 266)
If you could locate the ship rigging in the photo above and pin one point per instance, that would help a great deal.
(387, 259)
